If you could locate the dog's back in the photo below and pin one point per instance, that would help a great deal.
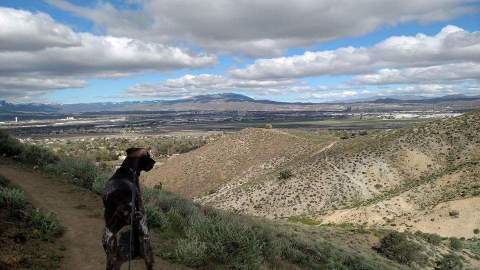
(117, 199)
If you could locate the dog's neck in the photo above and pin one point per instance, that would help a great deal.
(132, 165)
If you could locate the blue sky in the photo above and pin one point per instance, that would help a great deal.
(279, 64)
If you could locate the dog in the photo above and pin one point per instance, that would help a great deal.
(120, 191)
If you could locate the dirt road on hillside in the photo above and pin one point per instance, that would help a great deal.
(79, 210)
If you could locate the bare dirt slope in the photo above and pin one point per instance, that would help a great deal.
(246, 154)
(437, 171)
(429, 207)
(78, 210)
(367, 169)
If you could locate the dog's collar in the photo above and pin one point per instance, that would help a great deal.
(133, 172)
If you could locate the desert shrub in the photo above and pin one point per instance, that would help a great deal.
(104, 155)
(191, 252)
(168, 147)
(37, 155)
(47, 224)
(431, 238)
(3, 181)
(99, 183)
(12, 198)
(268, 126)
(54, 168)
(81, 171)
(476, 231)
(450, 262)
(228, 241)
(456, 243)
(285, 174)
(304, 220)
(396, 246)
(319, 255)
(9, 146)
(454, 213)
(155, 217)
(299, 250)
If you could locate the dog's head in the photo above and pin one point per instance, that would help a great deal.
(145, 161)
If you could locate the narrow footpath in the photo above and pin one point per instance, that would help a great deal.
(80, 212)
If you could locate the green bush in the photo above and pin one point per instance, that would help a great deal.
(81, 171)
(169, 147)
(450, 262)
(104, 155)
(454, 213)
(431, 238)
(456, 243)
(396, 246)
(228, 241)
(3, 181)
(155, 218)
(53, 168)
(99, 183)
(12, 198)
(48, 224)
(37, 155)
(9, 146)
(191, 252)
(285, 174)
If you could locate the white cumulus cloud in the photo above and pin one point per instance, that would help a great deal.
(451, 45)
(449, 73)
(34, 46)
(260, 28)
(191, 85)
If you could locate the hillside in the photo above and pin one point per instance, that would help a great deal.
(261, 244)
(186, 234)
(401, 178)
(233, 159)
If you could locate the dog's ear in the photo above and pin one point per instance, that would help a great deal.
(136, 152)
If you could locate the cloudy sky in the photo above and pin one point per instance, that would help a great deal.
(70, 51)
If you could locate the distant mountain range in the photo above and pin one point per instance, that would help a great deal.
(26, 107)
(224, 101)
(446, 98)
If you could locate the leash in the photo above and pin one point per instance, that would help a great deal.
(132, 218)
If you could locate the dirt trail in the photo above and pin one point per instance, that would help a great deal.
(80, 211)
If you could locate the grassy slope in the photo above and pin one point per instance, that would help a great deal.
(25, 242)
